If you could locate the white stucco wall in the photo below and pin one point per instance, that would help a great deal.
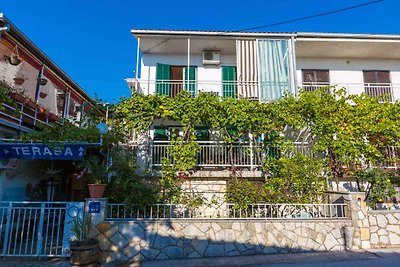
(348, 72)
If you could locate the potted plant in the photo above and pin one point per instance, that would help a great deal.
(14, 60)
(42, 81)
(84, 250)
(43, 95)
(95, 172)
(19, 80)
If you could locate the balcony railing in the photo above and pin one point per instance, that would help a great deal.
(384, 91)
(220, 154)
(229, 211)
(250, 89)
(25, 116)
(250, 155)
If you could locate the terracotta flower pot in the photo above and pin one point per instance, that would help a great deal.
(19, 81)
(96, 190)
(42, 94)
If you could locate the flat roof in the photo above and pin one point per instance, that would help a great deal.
(155, 32)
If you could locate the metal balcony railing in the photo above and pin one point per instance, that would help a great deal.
(23, 115)
(228, 211)
(251, 155)
(250, 89)
(383, 91)
(220, 154)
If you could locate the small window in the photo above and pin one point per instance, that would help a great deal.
(160, 134)
(314, 79)
(377, 84)
(202, 134)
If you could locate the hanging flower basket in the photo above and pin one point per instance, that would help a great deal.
(43, 81)
(14, 60)
(19, 80)
(42, 94)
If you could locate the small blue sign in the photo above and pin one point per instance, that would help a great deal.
(42, 151)
(94, 207)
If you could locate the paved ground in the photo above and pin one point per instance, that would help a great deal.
(371, 258)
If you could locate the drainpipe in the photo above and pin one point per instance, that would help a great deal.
(188, 63)
(137, 63)
(40, 76)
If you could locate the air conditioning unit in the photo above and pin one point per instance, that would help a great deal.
(211, 57)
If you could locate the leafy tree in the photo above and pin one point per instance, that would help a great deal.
(299, 179)
(242, 193)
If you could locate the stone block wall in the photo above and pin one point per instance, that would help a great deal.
(384, 228)
(175, 239)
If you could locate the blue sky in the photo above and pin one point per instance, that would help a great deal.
(91, 40)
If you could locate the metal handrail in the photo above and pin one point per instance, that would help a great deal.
(229, 211)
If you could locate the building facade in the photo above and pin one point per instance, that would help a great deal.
(40, 93)
(260, 66)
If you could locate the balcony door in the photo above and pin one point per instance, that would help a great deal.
(176, 80)
(377, 84)
(170, 80)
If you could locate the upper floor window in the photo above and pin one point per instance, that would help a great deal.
(170, 80)
(377, 84)
(313, 79)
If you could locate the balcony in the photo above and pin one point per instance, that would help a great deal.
(215, 155)
(386, 92)
(27, 114)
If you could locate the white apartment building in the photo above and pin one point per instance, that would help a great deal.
(261, 66)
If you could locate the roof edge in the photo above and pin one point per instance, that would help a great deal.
(21, 37)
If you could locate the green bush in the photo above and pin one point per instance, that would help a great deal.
(299, 179)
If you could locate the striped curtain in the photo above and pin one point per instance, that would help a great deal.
(247, 68)
(274, 68)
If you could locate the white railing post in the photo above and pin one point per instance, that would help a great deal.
(40, 230)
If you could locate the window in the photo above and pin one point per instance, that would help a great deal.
(170, 80)
(160, 134)
(202, 134)
(377, 84)
(228, 81)
(314, 79)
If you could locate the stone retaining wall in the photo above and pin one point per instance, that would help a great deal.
(148, 240)
(384, 228)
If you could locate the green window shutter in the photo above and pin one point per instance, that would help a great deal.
(163, 72)
(160, 134)
(202, 133)
(228, 81)
(190, 85)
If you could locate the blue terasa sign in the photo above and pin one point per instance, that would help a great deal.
(42, 151)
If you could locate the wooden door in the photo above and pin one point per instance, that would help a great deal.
(176, 80)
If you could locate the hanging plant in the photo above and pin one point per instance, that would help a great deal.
(43, 81)
(43, 95)
(14, 58)
(19, 80)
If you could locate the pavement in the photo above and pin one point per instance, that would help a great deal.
(370, 258)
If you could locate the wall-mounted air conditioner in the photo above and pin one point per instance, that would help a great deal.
(211, 57)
